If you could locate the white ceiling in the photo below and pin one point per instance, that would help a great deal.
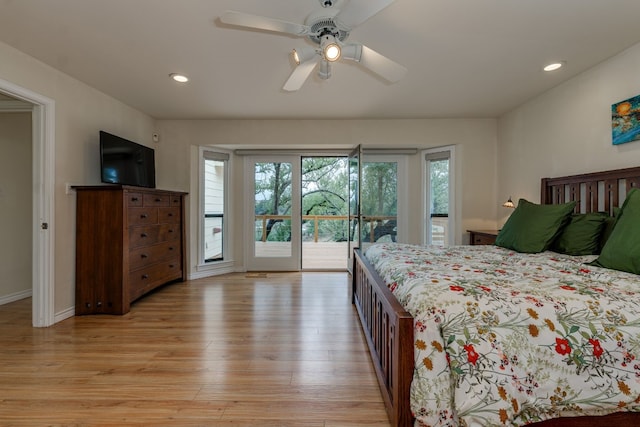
(465, 58)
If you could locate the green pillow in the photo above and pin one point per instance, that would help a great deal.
(609, 223)
(531, 228)
(581, 236)
(622, 250)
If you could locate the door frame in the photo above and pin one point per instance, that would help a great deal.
(43, 224)
(355, 156)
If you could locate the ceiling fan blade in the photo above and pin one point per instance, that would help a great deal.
(358, 11)
(381, 65)
(242, 19)
(299, 76)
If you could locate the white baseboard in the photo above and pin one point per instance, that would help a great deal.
(210, 273)
(213, 269)
(62, 315)
(6, 299)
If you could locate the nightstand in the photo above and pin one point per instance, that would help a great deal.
(483, 237)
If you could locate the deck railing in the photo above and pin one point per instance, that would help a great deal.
(439, 231)
(315, 219)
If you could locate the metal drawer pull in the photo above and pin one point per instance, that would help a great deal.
(145, 276)
(143, 216)
(143, 235)
(134, 199)
(170, 248)
(143, 256)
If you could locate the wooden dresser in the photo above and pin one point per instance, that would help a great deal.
(129, 240)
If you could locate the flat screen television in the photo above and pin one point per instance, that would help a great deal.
(126, 162)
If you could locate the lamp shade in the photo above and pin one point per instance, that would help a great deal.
(508, 203)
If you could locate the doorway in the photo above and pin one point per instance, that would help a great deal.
(308, 212)
(15, 200)
(274, 213)
(43, 179)
(324, 213)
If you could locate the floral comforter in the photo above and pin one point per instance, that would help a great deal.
(503, 338)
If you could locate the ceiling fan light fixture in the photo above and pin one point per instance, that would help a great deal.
(331, 50)
(324, 71)
(352, 52)
(303, 55)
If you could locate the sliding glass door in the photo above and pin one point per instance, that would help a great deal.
(310, 212)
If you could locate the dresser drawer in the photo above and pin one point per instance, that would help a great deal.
(483, 237)
(176, 200)
(134, 199)
(480, 239)
(169, 215)
(156, 199)
(147, 255)
(145, 279)
(142, 216)
(151, 234)
(169, 232)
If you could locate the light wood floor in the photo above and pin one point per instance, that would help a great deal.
(237, 350)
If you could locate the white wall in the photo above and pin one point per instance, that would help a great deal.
(475, 142)
(15, 205)
(81, 111)
(567, 130)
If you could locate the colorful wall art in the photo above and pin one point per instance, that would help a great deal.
(625, 121)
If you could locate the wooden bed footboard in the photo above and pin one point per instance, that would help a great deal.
(389, 332)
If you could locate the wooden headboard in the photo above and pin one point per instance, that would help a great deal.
(594, 192)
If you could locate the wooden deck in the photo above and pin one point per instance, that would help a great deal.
(315, 256)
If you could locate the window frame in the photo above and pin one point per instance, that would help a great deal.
(427, 156)
(226, 260)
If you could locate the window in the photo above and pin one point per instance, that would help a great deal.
(214, 202)
(439, 196)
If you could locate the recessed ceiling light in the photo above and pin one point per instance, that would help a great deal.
(180, 78)
(554, 66)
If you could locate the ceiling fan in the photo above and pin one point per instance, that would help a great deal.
(327, 28)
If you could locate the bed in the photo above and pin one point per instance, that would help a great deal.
(476, 355)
